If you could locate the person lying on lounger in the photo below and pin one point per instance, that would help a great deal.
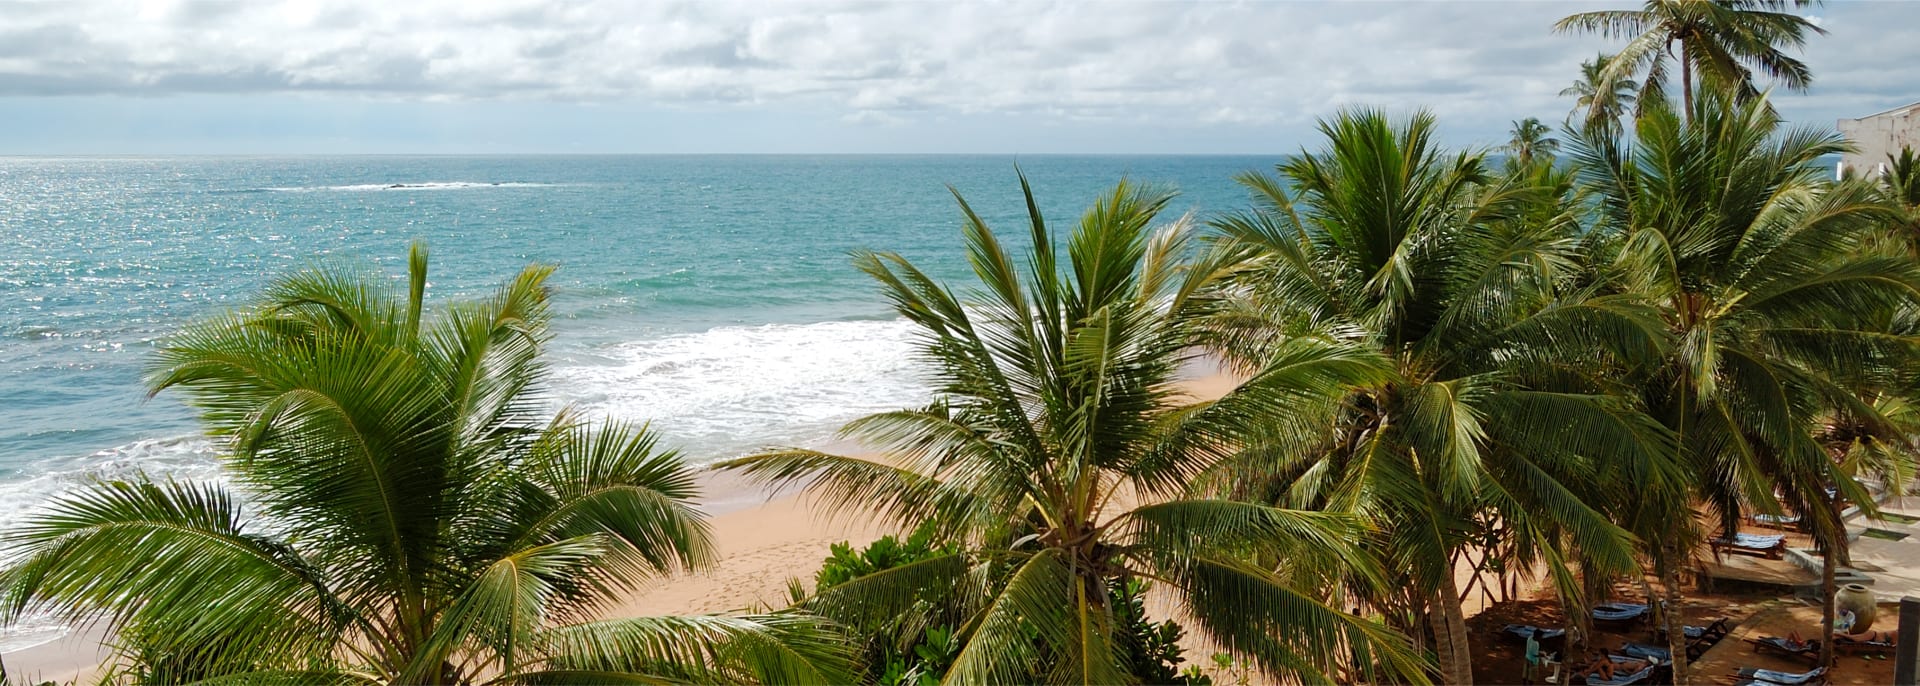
(1890, 637)
(1793, 644)
(1605, 667)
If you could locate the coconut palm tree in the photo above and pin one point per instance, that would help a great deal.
(1901, 183)
(1604, 99)
(1496, 407)
(399, 513)
(1721, 42)
(1767, 279)
(1532, 140)
(1059, 451)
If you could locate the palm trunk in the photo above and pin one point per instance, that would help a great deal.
(1450, 634)
(1686, 83)
(1670, 617)
(1832, 552)
(1598, 589)
(1827, 611)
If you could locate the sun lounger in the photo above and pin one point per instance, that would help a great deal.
(1767, 546)
(1713, 632)
(1763, 682)
(1850, 646)
(1762, 677)
(1700, 639)
(1642, 651)
(1784, 522)
(1523, 632)
(1619, 612)
(1781, 646)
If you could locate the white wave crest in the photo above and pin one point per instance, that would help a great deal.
(188, 458)
(714, 394)
(414, 186)
(31, 630)
(732, 389)
(182, 457)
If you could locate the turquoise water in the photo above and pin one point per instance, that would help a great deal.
(710, 294)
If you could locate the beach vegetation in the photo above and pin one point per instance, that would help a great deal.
(917, 647)
(1498, 418)
(1531, 143)
(1601, 98)
(1901, 183)
(403, 508)
(1060, 452)
(1578, 368)
(1718, 44)
(1778, 301)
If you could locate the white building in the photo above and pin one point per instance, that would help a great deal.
(1877, 136)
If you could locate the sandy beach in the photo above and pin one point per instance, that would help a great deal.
(762, 538)
(765, 539)
(761, 545)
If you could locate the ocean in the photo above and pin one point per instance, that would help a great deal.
(712, 296)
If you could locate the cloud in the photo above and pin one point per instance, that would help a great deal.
(885, 63)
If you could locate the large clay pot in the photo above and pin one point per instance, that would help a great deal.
(1857, 599)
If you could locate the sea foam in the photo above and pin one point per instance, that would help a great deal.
(729, 390)
(186, 458)
(714, 393)
(414, 186)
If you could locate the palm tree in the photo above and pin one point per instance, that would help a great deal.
(1605, 99)
(1722, 41)
(1901, 183)
(399, 514)
(1497, 406)
(1531, 139)
(1059, 450)
(1766, 279)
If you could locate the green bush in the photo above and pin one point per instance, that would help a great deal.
(916, 648)
(1152, 650)
(847, 564)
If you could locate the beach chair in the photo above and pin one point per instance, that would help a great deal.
(1771, 547)
(1522, 632)
(1766, 677)
(1805, 650)
(1700, 639)
(1781, 522)
(1712, 632)
(1699, 646)
(1619, 613)
(1850, 646)
(1642, 651)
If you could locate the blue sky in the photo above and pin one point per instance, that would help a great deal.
(855, 76)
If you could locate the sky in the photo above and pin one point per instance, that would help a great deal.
(833, 76)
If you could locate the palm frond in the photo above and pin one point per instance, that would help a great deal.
(176, 560)
(761, 649)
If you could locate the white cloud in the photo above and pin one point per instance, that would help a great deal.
(1187, 64)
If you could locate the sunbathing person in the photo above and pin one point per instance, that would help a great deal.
(1605, 667)
(1890, 636)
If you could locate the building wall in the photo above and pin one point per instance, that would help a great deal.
(1878, 136)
